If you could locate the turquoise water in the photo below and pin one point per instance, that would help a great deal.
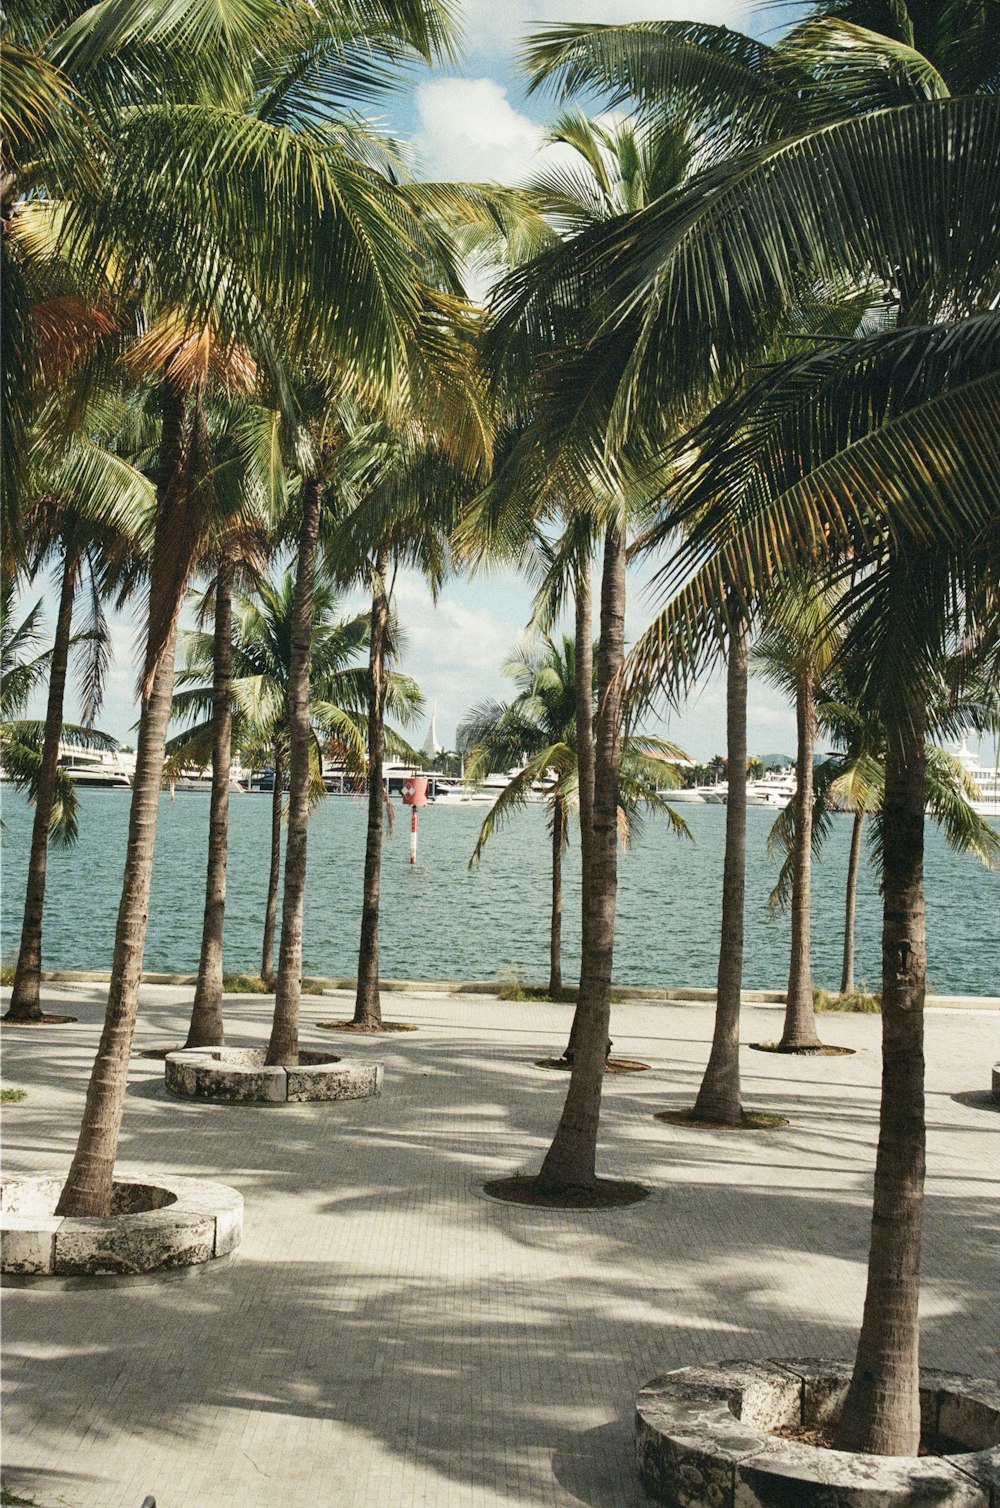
(442, 921)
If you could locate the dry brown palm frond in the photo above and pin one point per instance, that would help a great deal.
(68, 331)
(189, 355)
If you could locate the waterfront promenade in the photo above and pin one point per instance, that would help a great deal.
(388, 1336)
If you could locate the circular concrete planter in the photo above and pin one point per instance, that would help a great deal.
(702, 1438)
(238, 1075)
(156, 1223)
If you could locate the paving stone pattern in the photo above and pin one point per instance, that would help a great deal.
(388, 1336)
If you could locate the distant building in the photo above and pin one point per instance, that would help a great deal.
(431, 747)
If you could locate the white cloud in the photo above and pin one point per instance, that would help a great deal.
(454, 649)
(469, 130)
(503, 25)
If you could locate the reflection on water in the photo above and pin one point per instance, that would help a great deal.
(441, 920)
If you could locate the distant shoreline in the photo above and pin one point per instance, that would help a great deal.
(621, 994)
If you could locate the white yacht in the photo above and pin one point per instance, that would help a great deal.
(457, 793)
(100, 769)
(987, 779)
(192, 779)
(776, 789)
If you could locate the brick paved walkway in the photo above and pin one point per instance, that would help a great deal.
(388, 1336)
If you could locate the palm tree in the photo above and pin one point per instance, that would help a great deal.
(854, 781)
(622, 169)
(22, 672)
(794, 652)
(258, 160)
(719, 1098)
(249, 484)
(90, 515)
(692, 292)
(414, 474)
(259, 696)
(538, 732)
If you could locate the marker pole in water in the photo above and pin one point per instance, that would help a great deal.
(414, 795)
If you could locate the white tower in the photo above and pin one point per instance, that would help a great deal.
(431, 746)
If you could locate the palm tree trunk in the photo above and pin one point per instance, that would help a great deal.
(881, 1414)
(283, 1047)
(367, 1003)
(584, 743)
(89, 1185)
(853, 868)
(274, 870)
(25, 1002)
(206, 1029)
(571, 1160)
(799, 1031)
(555, 930)
(719, 1096)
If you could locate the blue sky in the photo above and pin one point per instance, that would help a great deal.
(475, 120)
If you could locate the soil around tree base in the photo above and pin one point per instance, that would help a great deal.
(803, 1052)
(43, 1020)
(612, 1065)
(823, 1437)
(366, 1030)
(753, 1120)
(608, 1193)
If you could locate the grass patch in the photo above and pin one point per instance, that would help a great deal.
(244, 984)
(12, 1096)
(10, 1499)
(861, 1002)
(512, 987)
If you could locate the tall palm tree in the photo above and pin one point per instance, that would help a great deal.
(838, 187)
(258, 159)
(719, 1097)
(621, 169)
(537, 731)
(259, 698)
(249, 484)
(417, 472)
(91, 516)
(794, 653)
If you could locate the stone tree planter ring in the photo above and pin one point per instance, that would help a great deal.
(703, 1436)
(157, 1222)
(239, 1075)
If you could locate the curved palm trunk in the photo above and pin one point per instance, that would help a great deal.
(584, 743)
(274, 870)
(850, 908)
(719, 1096)
(206, 1029)
(799, 1031)
(555, 929)
(571, 1160)
(25, 1002)
(367, 1003)
(881, 1413)
(89, 1185)
(283, 1046)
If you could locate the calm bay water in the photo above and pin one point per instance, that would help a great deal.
(443, 921)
